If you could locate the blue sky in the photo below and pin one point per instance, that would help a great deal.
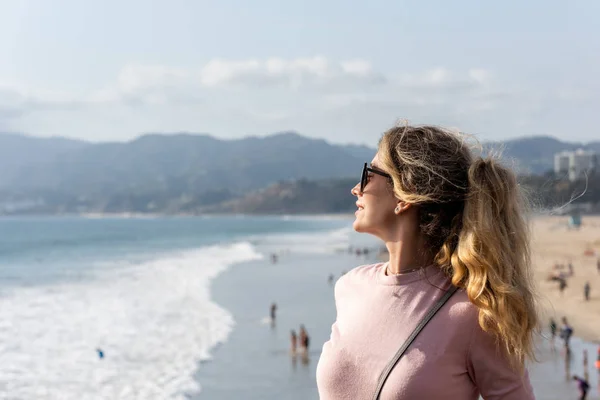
(340, 70)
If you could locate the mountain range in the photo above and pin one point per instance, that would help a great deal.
(185, 172)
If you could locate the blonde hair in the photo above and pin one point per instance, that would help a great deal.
(473, 216)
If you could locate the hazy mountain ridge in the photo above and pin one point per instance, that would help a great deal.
(18, 152)
(199, 160)
(535, 154)
(199, 173)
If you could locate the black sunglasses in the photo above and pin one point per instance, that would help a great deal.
(365, 176)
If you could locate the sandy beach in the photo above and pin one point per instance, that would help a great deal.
(554, 242)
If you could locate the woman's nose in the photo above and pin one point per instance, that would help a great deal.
(355, 190)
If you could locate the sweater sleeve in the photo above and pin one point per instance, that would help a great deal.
(491, 372)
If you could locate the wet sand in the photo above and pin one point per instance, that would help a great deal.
(255, 362)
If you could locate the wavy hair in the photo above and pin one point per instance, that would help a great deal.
(473, 216)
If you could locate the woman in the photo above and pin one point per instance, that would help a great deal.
(448, 219)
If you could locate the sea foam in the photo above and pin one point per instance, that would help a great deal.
(154, 321)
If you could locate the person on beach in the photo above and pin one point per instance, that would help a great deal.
(562, 285)
(330, 278)
(304, 339)
(552, 331)
(571, 270)
(585, 365)
(450, 220)
(583, 387)
(586, 291)
(566, 331)
(273, 312)
(293, 342)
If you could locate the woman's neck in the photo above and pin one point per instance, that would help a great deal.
(405, 257)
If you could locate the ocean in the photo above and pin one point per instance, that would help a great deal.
(137, 289)
(179, 307)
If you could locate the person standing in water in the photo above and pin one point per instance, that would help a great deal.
(273, 313)
(585, 366)
(552, 331)
(566, 332)
(293, 342)
(304, 344)
(304, 339)
(583, 387)
(456, 229)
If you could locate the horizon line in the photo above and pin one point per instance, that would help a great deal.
(255, 136)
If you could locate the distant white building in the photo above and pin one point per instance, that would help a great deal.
(575, 163)
(561, 162)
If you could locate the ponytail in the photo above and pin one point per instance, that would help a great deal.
(489, 256)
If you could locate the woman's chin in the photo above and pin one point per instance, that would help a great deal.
(362, 226)
(358, 225)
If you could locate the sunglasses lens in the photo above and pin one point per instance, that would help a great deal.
(363, 178)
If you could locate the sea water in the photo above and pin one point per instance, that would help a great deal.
(136, 289)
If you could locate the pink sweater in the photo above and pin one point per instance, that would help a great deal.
(451, 359)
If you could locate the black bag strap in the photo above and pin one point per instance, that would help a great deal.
(386, 372)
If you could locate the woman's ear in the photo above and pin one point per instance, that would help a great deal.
(401, 206)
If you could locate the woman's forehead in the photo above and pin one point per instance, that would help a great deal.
(375, 161)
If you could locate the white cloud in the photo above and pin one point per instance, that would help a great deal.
(479, 75)
(218, 72)
(294, 73)
(157, 84)
(437, 76)
(153, 84)
(314, 95)
(133, 77)
(357, 67)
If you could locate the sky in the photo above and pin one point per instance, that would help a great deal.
(344, 71)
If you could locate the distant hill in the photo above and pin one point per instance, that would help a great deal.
(199, 173)
(165, 173)
(181, 162)
(545, 193)
(298, 197)
(19, 152)
(535, 154)
(361, 152)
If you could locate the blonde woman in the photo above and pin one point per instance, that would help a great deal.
(456, 231)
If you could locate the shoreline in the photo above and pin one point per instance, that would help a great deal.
(126, 215)
(254, 362)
